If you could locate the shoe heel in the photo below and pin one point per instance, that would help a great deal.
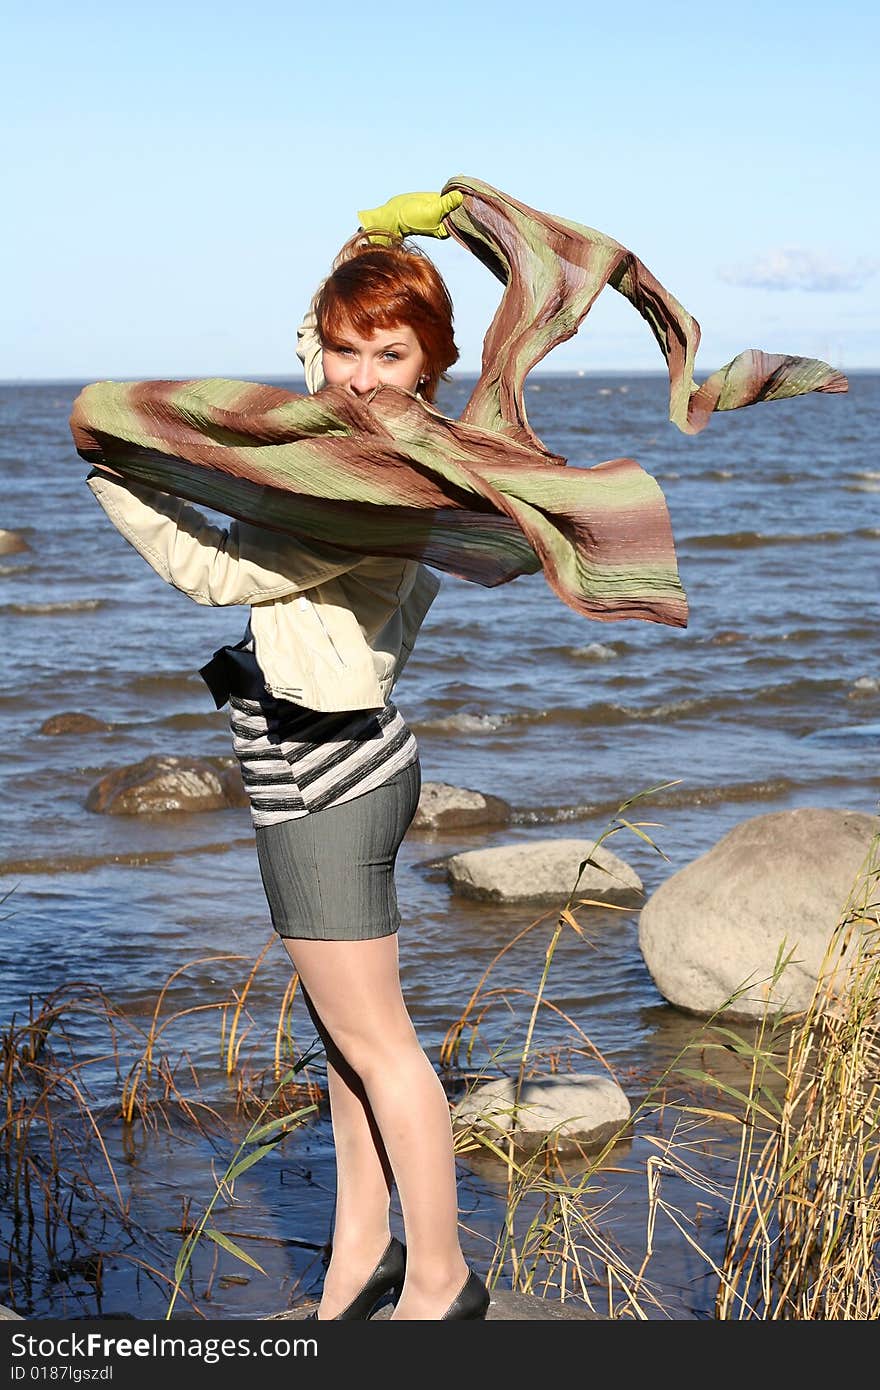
(472, 1302)
(385, 1300)
(385, 1282)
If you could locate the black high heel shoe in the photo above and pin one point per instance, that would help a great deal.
(383, 1284)
(471, 1302)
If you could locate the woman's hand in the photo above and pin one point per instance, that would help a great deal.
(410, 214)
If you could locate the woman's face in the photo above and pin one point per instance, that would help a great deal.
(390, 357)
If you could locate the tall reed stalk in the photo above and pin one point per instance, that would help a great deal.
(803, 1228)
(260, 1139)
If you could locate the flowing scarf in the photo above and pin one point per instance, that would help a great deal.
(480, 497)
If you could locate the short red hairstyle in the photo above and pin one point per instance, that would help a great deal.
(374, 287)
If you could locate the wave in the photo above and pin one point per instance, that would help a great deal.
(763, 789)
(471, 723)
(590, 651)
(15, 569)
(787, 477)
(847, 731)
(73, 605)
(793, 693)
(750, 540)
(797, 634)
(81, 863)
(603, 712)
(166, 680)
(594, 651)
(208, 720)
(811, 634)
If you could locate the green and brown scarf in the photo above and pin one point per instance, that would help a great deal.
(480, 497)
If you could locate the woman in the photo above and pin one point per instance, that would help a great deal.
(329, 764)
(333, 777)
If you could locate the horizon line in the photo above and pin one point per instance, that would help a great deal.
(576, 372)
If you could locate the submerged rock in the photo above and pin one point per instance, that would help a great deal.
(73, 722)
(564, 1113)
(864, 687)
(776, 881)
(166, 783)
(544, 871)
(11, 543)
(444, 807)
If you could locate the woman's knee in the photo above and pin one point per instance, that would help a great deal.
(354, 999)
(374, 1051)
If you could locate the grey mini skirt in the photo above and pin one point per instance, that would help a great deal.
(329, 875)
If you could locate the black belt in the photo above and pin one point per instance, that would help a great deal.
(233, 671)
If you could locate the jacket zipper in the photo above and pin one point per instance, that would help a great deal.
(327, 634)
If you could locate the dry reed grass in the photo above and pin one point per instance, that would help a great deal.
(801, 1227)
(65, 1152)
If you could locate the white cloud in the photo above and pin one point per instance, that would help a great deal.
(796, 268)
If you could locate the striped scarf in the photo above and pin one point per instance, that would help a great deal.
(480, 497)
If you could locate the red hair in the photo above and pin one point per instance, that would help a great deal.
(374, 287)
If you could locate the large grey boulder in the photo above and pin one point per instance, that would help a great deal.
(544, 871)
(445, 807)
(721, 920)
(565, 1112)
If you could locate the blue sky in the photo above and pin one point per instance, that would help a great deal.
(178, 177)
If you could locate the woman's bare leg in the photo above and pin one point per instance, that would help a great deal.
(354, 987)
(364, 1178)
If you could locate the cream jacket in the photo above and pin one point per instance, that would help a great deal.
(332, 629)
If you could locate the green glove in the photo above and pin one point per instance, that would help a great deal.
(410, 214)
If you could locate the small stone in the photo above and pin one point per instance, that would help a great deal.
(445, 807)
(863, 687)
(563, 1112)
(165, 783)
(544, 871)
